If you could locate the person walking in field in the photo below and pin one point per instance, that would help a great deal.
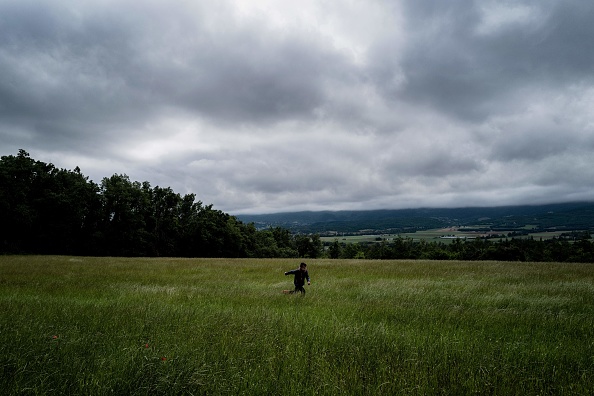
(301, 275)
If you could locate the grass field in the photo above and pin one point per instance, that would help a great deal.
(95, 326)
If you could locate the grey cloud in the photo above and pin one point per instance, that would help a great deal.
(114, 72)
(268, 84)
(530, 146)
(449, 65)
(412, 103)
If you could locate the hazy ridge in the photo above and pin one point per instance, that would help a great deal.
(571, 216)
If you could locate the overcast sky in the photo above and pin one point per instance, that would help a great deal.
(262, 106)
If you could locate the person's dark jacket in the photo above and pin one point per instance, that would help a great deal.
(300, 276)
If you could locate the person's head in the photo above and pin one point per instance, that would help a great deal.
(303, 266)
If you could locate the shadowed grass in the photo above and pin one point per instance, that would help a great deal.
(218, 326)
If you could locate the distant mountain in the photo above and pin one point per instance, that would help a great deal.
(570, 216)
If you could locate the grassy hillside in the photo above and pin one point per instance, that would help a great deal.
(218, 326)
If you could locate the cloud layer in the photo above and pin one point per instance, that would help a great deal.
(261, 106)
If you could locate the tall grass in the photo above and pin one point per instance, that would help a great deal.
(94, 326)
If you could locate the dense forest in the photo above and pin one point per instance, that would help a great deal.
(46, 210)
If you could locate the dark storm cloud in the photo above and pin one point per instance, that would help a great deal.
(272, 82)
(462, 64)
(114, 65)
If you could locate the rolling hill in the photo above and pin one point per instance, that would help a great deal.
(564, 216)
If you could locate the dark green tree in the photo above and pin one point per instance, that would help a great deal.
(352, 251)
(44, 209)
(309, 246)
(334, 250)
(126, 208)
(164, 222)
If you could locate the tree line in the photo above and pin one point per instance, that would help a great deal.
(504, 249)
(46, 210)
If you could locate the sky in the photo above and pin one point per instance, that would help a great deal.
(264, 106)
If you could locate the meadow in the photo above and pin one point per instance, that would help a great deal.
(150, 326)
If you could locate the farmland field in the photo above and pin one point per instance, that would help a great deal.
(434, 235)
(94, 326)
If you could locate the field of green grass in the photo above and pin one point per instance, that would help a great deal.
(95, 326)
